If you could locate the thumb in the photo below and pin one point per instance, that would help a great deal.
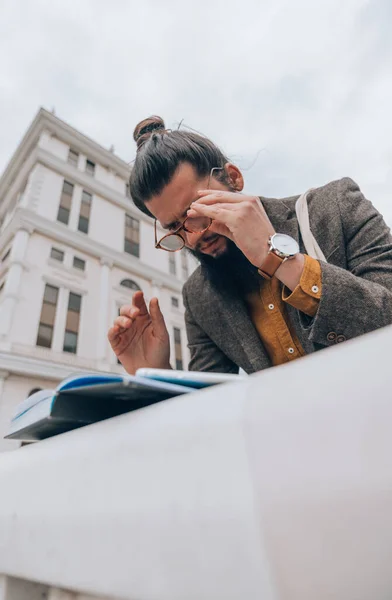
(158, 321)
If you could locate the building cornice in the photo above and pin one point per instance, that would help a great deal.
(24, 365)
(46, 121)
(80, 242)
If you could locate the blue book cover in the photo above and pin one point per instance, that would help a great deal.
(86, 398)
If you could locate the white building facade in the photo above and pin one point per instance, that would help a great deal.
(73, 248)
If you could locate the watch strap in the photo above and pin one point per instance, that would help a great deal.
(270, 265)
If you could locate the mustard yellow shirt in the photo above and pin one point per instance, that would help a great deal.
(267, 309)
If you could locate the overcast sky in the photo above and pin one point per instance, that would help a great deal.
(296, 92)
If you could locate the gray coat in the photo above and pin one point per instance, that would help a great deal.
(356, 284)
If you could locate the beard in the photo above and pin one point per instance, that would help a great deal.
(231, 269)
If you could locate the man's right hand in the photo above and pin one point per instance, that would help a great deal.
(139, 338)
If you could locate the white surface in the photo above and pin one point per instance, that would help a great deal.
(280, 482)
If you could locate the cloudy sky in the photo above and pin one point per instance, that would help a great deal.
(297, 92)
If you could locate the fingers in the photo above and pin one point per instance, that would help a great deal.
(157, 319)
(138, 306)
(221, 212)
(214, 196)
(139, 302)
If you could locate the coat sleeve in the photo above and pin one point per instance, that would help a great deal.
(358, 299)
(205, 354)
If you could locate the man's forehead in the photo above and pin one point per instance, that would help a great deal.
(175, 198)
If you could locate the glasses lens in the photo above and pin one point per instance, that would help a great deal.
(197, 224)
(172, 242)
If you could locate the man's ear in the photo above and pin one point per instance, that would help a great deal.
(235, 177)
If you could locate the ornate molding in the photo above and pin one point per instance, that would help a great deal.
(105, 261)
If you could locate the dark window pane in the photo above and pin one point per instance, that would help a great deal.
(78, 263)
(86, 197)
(70, 342)
(73, 157)
(44, 337)
(68, 188)
(90, 167)
(177, 335)
(178, 364)
(63, 215)
(83, 224)
(74, 302)
(131, 247)
(132, 285)
(57, 254)
(174, 302)
(51, 294)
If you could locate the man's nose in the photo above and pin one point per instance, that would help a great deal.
(191, 239)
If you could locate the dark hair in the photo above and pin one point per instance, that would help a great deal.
(159, 154)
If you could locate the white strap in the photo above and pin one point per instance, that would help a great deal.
(310, 242)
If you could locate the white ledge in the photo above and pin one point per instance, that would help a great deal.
(279, 487)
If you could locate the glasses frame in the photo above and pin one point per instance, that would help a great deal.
(182, 226)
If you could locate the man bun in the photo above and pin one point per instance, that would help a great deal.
(146, 128)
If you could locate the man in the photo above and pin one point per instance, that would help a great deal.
(257, 298)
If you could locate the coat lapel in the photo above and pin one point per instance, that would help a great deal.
(236, 334)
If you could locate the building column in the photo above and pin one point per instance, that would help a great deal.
(156, 289)
(104, 317)
(13, 279)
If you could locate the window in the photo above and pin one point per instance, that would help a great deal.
(131, 238)
(172, 263)
(73, 157)
(174, 302)
(90, 168)
(184, 265)
(2, 286)
(72, 323)
(132, 285)
(79, 263)
(6, 255)
(177, 347)
(48, 314)
(57, 254)
(33, 391)
(85, 208)
(65, 203)
(127, 190)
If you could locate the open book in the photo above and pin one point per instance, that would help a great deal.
(83, 399)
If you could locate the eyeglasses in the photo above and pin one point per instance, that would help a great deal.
(173, 241)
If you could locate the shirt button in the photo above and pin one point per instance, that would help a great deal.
(291, 350)
(331, 337)
(271, 306)
(315, 289)
(340, 339)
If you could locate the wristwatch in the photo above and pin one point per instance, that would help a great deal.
(282, 247)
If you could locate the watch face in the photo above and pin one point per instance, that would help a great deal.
(285, 244)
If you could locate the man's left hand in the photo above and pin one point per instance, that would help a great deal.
(239, 217)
